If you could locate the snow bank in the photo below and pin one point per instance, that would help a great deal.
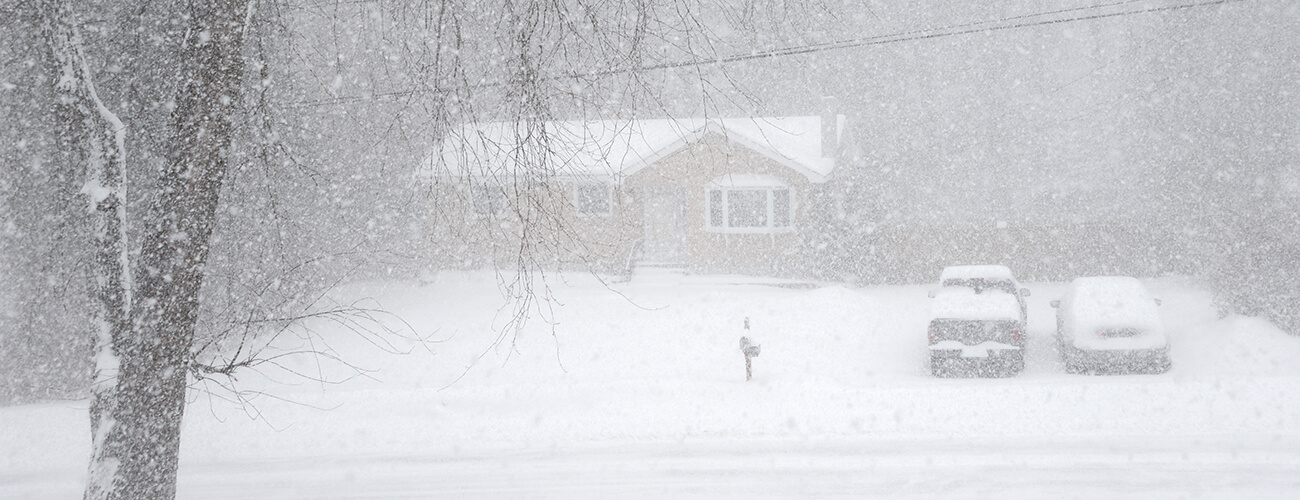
(655, 366)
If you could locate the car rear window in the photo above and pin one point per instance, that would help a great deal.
(982, 284)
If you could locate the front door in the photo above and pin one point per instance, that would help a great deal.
(664, 219)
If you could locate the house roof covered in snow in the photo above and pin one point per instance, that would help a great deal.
(613, 149)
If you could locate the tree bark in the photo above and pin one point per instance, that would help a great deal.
(94, 138)
(139, 452)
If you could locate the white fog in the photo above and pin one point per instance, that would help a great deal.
(649, 249)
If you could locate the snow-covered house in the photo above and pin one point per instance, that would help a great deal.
(709, 194)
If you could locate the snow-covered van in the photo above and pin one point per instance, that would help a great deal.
(975, 334)
(1110, 324)
(981, 278)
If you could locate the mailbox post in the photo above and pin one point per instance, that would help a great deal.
(750, 350)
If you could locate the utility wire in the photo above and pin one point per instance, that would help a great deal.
(906, 36)
(897, 37)
(914, 35)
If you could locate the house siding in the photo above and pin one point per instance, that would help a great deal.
(616, 242)
(460, 239)
(690, 171)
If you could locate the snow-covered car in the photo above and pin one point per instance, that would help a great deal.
(975, 334)
(1110, 325)
(981, 278)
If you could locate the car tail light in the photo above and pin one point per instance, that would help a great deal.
(933, 334)
(1016, 336)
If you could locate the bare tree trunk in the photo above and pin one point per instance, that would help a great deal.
(137, 451)
(96, 137)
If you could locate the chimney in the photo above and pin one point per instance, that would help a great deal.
(830, 128)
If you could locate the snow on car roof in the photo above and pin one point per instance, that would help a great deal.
(976, 271)
(964, 303)
(1102, 302)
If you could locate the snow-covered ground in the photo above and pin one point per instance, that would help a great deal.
(639, 390)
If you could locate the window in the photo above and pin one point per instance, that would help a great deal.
(749, 209)
(593, 199)
(487, 200)
(746, 208)
(780, 207)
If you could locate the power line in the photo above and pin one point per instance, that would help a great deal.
(895, 37)
(925, 35)
(906, 36)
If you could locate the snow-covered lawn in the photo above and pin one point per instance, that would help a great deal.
(641, 393)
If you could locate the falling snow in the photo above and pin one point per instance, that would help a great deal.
(507, 249)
